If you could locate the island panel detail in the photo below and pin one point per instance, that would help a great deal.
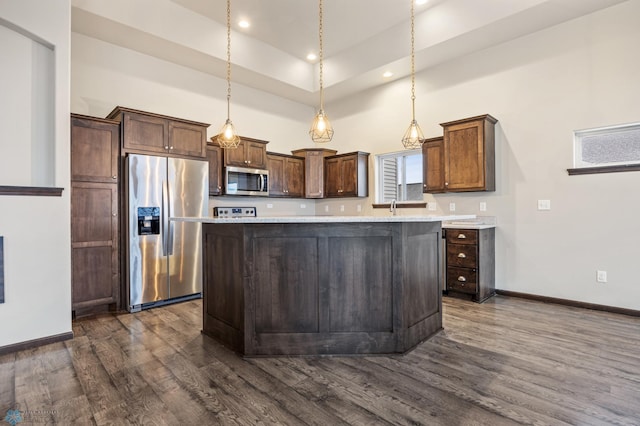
(322, 288)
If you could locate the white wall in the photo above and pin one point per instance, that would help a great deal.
(578, 75)
(37, 229)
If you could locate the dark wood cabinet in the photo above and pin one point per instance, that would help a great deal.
(346, 175)
(249, 153)
(470, 262)
(94, 214)
(94, 149)
(286, 175)
(155, 134)
(469, 154)
(321, 288)
(214, 157)
(314, 170)
(433, 165)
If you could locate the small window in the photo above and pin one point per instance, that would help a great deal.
(399, 176)
(614, 147)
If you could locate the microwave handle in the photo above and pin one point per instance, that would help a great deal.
(262, 188)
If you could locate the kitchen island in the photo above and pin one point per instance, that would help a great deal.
(322, 285)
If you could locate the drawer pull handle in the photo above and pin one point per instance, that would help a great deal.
(462, 236)
(462, 279)
(462, 255)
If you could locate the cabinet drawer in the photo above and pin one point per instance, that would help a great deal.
(462, 279)
(462, 236)
(465, 255)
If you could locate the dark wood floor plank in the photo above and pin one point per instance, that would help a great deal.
(7, 382)
(506, 361)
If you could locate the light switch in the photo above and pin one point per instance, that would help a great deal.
(452, 207)
(483, 206)
(544, 204)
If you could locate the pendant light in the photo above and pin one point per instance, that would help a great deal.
(321, 130)
(228, 138)
(413, 137)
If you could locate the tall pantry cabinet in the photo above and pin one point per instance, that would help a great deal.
(94, 215)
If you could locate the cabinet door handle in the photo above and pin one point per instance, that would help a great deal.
(114, 177)
(248, 161)
(115, 214)
(425, 185)
(462, 279)
(170, 147)
(166, 147)
(462, 236)
(462, 255)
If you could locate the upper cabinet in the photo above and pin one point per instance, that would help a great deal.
(286, 175)
(314, 170)
(346, 175)
(463, 160)
(249, 153)
(433, 165)
(469, 154)
(148, 133)
(214, 157)
(94, 149)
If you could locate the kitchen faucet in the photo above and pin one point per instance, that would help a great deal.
(392, 207)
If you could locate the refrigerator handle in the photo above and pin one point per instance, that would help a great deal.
(170, 223)
(165, 218)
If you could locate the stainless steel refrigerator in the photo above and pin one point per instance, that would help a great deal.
(164, 257)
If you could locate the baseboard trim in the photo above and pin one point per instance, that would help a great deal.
(567, 302)
(30, 344)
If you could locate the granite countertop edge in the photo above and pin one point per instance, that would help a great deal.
(325, 219)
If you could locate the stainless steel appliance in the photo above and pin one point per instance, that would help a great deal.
(246, 181)
(164, 256)
(234, 211)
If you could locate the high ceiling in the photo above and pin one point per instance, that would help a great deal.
(362, 38)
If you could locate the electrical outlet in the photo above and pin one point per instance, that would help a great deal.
(341, 208)
(601, 276)
(483, 206)
(326, 208)
(359, 208)
(452, 207)
(269, 206)
(303, 206)
(432, 207)
(544, 204)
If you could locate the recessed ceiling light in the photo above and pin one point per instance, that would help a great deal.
(244, 24)
(312, 56)
(421, 2)
(387, 74)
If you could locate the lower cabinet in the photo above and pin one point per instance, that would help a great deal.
(321, 288)
(94, 247)
(470, 257)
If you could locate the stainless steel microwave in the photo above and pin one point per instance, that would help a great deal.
(246, 181)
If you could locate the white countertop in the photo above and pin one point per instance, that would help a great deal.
(479, 222)
(324, 219)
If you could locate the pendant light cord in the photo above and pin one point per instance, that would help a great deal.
(413, 66)
(228, 58)
(321, 54)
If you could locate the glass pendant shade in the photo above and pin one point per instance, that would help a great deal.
(413, 137)
(321, 129)
(228, 138)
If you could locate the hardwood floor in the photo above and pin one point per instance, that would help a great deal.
(507, 361)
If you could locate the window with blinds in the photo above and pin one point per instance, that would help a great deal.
(399, 176)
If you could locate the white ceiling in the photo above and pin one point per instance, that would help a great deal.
(362, 38)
